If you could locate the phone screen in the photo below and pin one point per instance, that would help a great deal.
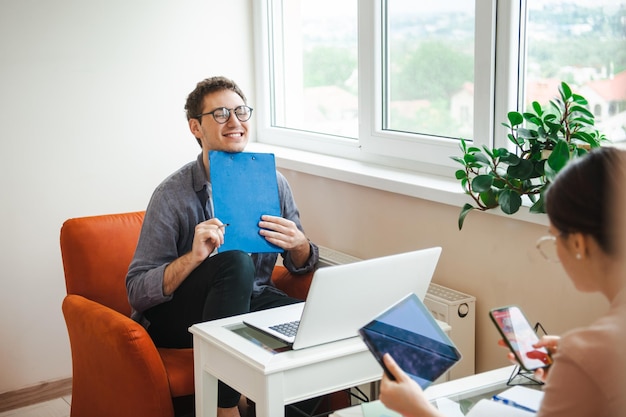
(520, 337)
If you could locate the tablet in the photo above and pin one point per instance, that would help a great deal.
(410, 334)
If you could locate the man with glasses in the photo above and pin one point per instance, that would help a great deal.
(176, 278)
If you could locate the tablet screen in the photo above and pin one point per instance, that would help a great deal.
(410, 334)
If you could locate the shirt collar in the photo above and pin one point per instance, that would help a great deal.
(199, 177)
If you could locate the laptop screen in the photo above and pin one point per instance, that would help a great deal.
(410, 334)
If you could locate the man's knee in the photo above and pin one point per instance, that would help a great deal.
(238, 266)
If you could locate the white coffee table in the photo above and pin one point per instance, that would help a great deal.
(470, 388)
(250, 363)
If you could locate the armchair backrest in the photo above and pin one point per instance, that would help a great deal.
(96, 253)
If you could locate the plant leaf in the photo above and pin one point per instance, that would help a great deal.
(460, 174)
(583, 121)
(583, 110)
(583, 136)
(499, 183)
(538, 207)
(549, 173)
(526, 133)
(457, 159)
(480, 157)
(559, 156)
(509, 158)
(510, 201)
(482, 183)
(464, 212)
(515, 118)
(580, 99)
(469, 158)
(580, 151)
(556, 106)
(524, 170)
(517, 141)
(489, 198)
(532, 118)
(566, 92)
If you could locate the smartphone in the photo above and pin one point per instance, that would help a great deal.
(520, 336)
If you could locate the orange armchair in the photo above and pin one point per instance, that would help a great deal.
(116, 368)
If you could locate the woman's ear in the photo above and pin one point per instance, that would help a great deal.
(580, 245)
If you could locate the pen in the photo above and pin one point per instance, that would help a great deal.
(224, 225)
(513, 403)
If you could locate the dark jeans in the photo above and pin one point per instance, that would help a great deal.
(220, 287)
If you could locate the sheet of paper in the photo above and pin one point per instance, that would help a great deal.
(244, 187)
(489, 408)
(448, 407)
(377, 409)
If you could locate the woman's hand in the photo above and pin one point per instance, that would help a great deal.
(404, 395)
(550, 342)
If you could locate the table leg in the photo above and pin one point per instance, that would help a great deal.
(205, 386)
(272, 404)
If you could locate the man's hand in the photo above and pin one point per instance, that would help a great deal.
(208, 236)
(285, 234)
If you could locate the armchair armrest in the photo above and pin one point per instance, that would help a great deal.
(296, 286)
(113, 359)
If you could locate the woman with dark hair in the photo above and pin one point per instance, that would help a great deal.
(586, 209)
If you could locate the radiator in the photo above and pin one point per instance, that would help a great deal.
(447, 305)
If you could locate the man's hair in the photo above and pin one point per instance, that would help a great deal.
(581, 198)
(193, 106)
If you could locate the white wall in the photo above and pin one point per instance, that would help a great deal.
(493, 257)
(91, 120)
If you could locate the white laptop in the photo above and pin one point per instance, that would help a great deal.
(343, 298)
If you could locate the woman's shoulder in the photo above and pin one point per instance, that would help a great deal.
(602, 335)
(597, 350)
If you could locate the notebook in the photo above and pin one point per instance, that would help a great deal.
(343, 298)
(410, 334)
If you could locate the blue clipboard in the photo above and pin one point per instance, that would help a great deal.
(244, 188)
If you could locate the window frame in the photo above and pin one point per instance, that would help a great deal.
(497, 69)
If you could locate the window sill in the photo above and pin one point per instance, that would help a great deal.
(439, 189)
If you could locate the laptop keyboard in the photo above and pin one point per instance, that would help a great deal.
(288, 329)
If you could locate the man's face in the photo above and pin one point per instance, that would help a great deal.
(231, 136)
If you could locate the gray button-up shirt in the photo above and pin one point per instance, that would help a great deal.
(178, 204)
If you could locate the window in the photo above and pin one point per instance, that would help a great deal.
(399, 82)
(584, 44)
(314, 66)
(428, 65)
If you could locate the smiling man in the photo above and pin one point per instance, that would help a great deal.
(177, 278)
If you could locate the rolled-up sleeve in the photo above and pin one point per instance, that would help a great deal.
(155, 250)
(290, 211)
(167, 233)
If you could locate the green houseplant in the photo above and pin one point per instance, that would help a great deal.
(545, 140)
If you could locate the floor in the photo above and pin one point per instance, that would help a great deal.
(59, 407)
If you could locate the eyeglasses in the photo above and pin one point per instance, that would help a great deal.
(547, 247)
(222, 114)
